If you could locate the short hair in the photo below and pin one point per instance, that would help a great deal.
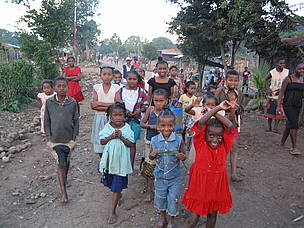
(71, 57)
(231, 72)
(46, 81)
(278, 59)
(116, 105)
(107, 67)
(207, 97)
(173, 67)
(60, 78)
(166, 113)
(135, 73)
(213, 122)
(160, 92)
(296, 63)
(163, 62)
(117, 72)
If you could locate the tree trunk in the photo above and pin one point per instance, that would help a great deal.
(222, 49)
(200, 69)
(235, 47)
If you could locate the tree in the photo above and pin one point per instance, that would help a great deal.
(133, 45)
(149, 52)
(162, 43)
(8, 37)
(115, 43)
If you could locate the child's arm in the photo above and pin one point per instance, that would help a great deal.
(76, 122)
(153, 154)
(196, 103)
(282, 92)
(145, 119)
(78, 77)
(98, 106)
(172, 92)
(224, 121)
(47, 122)
(181, 156)
(150, 93)
(223, 106)
(107, 139)
(117, 96)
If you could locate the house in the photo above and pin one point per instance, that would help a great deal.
(170, 54)
(9, 52)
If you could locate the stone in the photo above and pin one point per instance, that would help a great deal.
(12, 150)
(2, 154)
(22, 136)
(1, 149)
(6, 159)
(13, 135)
(30, 202)
(42, 194)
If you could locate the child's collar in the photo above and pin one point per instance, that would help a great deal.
(226, 89)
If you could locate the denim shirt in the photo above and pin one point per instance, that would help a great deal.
(167, 164)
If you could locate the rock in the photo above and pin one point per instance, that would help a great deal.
(42, 194)
(22, 136)
(17, 193)
(6, 159)
(2, 154)
(13, 135)
(12, 150)
(21, 132)
(1, 149)
(44, 178)
(152, 219)
(36, 121)
(28, 144)
(30, 202)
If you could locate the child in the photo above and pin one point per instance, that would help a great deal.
(117, 78)
(103, 97)
(208, 190)
(61, 124)
(149, 122)
(48, 91)
(74, 75)
(230, 92)
(178, 87)
(168, 149)
(186, 99)
(135, 100)
(161, 81)
(117, 160)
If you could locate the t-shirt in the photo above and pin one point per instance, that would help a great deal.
(166, 86)
(186, 101)
(246, 75)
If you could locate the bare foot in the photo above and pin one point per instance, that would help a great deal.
(268, 130)
(148, 199)
(235, 178)
(276, 131)
(171, 225)
(64, 200)
(161, 224)
(112, 219)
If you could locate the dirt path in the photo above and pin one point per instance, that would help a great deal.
(271, 196)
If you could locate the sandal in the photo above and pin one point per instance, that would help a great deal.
(295, 151)
(112, 219)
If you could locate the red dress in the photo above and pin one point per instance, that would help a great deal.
(74, 87)
(208, 188)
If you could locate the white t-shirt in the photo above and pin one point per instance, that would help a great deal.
(129, 97)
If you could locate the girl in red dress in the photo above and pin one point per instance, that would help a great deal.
(208, 190)
(74, 75)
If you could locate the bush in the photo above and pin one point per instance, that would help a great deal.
(16, 84)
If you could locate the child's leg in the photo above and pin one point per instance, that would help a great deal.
(269, 124)
(233, 163)
(173, 197)
(161, 200)
(163, 222)
(61, 172)
(194, 220)
(276, 126)
(293, 137)
(285, 136)
(115, 198)
(149, 190)
(211, 220)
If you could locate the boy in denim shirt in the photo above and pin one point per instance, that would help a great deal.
(168, 149)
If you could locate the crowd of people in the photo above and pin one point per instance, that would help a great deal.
(125, 103)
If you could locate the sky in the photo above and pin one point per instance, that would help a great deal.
(145, 18)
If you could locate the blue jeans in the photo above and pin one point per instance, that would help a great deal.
(167, 195)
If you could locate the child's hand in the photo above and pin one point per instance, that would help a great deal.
(117, 134)
(181, 156)
(153, 127)
(204, 110)
(225, 105)
(233, 104)
(197, 102)
(154, 154)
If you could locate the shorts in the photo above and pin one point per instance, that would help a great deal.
(135, 128)
(114, 182)
(271, 109)
(62, 151)
(245, 82)
(147, 170)
(167, 195)
(147, 151)
(292, 114)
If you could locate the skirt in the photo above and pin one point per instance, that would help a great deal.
(99, 122)
(135, 128)
(292, 114)
(271, 109)
(114, 182)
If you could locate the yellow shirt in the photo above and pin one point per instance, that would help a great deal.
(186, 101)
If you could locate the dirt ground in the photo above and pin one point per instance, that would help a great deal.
(272, 194)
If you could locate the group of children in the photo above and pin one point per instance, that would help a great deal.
(120, 114)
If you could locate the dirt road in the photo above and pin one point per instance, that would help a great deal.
(272, 194)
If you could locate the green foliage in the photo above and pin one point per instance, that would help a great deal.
(134, 45)
(162, 43)
(87, 35)
(42, 53)
(149, 51)
(8, 37)
(259, 74)
(16, 83)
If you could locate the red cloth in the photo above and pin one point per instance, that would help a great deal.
(74, 87)
(208, 188)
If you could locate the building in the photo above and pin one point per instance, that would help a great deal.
(171, 54)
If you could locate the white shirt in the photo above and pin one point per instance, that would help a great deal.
(129, 97)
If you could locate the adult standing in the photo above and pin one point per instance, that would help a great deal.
(276, 77)
(291, 96)
(246, 73)
(73, 75)
(127, 67)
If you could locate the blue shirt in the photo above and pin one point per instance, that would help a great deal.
(167, 164)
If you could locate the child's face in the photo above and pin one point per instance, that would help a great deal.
(61, 88)
(118, 117)
(159, 102)
(47, 89)
(192, 89)
(214, 136)
(166, 126)
(71, 62)
(232, 81)
(132, 80)
(141, 73)
(300, 70)
(210, 103)
(117, 78)
(106, 75)
(281, 64)
(173, 72)
(162, 70)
